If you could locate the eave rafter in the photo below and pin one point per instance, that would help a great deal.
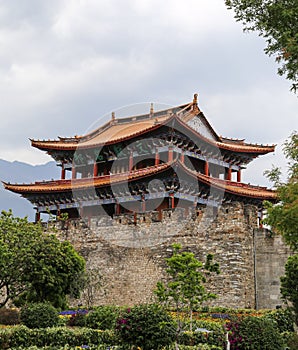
(91, 189)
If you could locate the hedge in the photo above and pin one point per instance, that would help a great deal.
(21, 336)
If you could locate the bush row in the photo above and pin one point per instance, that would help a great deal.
(104, 347)
(22, 336)
(147, 326)
(104, 317)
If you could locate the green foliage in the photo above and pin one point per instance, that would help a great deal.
(77, 320)
(283, 216)
(215, 336)
(40, 315)
(186, 278)
(254, 333)
(57, 266)
(35, 266)
(147, 326)
(289, 283)
(196, 347)
(17, 236)
(9, 316)
(283, 318)
(291, 340)
(277, 22)
(103, 317)
(67, 347)
(61, 337)
(260, 333)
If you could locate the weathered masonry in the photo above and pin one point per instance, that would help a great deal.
(131, 257)
(136, 185)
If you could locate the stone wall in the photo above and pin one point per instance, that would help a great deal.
(130, 251)
(270, 255)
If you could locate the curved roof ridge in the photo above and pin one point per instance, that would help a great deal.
(232, 186)
(134, 118)
(229, 146)
(70, 184)
(117, 130)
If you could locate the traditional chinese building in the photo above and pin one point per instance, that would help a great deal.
(135, 185)
(163, 160)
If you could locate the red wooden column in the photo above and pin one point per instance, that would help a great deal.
(95, 169)
(62, 172)
(172, 202)
(73, 172)
(143, 204)
(156, 156)
(229, 174)
(239, 175)
(206, 168)
(170, 154)
(117, 208)
(130, 165)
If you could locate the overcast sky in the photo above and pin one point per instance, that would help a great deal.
(65, 64)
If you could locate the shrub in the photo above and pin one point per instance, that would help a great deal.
(9, 317)
(39, 315)
(103, 317)
(78, 319)
(147, 326)
(260, 333)
(291, 340)
(215, 337)
(234, 333)
(22, 336)
(197, 347)
(284, 319)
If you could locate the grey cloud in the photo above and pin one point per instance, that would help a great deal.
(65, 64)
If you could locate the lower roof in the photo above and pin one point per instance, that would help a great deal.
(60, 186)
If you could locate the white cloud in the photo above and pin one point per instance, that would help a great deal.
(64, 64)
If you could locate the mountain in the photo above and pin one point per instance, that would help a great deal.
(23, 173)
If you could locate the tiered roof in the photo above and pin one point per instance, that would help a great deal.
(182, 117)
(117, 130)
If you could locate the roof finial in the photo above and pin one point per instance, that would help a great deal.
(113, 116)
(195, 99)
(195, 103)
(151, 110)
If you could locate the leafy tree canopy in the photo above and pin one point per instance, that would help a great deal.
(289, 284)
(283, 216)
(187, 276)
(277, 22)
(35, 266)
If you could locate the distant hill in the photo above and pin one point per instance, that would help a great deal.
(23, 173)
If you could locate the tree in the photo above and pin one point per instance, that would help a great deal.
(35, 266)
(289, 284)
(185, 287)
(277, 22)
(148, 326)
(283, 218)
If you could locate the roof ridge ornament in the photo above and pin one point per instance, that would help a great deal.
(113, 119)
(195, 107)
(151, 110)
